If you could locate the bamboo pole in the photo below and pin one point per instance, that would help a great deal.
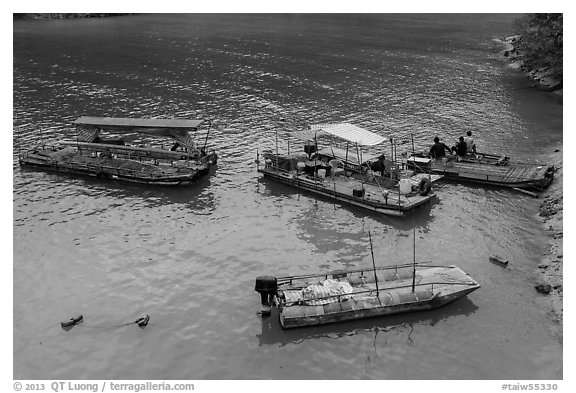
(374, 265)
(414, 259)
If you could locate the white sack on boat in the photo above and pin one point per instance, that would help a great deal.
(328, 292)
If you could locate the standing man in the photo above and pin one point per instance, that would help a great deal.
(438, 149)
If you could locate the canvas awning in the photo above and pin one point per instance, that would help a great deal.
(89, 127)
(348, 132)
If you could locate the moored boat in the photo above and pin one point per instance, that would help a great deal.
(93, 154)
(498, 260)
(342, 295)
(367, 181)
(488, 169)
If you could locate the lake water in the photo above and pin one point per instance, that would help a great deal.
(188, 257)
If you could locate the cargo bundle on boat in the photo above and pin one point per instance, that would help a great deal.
(349, 175)
(489, 169)
(343, 295)
(93, 154)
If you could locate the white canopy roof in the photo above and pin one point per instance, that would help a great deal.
(350, 133)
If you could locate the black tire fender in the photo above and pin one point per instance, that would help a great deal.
(425, 186)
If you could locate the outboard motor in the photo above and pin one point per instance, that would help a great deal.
(267, 287)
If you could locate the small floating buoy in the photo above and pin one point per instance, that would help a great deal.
(499, 260)
(142, 322)
(72, 322)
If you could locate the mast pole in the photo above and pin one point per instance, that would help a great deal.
(346, 162)
(207, 133)
(277, 167)
(414, 259)
(315, 153)
(374, 265)
(392, 158)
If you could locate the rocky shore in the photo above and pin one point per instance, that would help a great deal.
(549, 280)
(549, 274)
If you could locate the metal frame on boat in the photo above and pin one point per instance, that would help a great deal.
(94, 155)
(367, 181)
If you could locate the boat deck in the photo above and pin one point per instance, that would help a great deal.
(513, 175)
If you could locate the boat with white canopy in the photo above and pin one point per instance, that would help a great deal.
(348, 175)
(181, 162)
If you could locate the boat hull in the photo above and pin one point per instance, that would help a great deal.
(126, 170)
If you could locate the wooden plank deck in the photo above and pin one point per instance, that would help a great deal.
(510, 174)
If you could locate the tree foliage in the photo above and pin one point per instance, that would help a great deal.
(541, 42)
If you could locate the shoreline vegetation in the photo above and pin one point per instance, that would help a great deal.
(537, 51)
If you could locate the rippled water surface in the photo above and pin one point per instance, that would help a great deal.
(188, 257)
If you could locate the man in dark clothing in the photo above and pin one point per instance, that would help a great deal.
(437, 150)
(460, 148)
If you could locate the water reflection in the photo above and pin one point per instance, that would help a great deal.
(196, 197)
(419, 218)
(273, 334)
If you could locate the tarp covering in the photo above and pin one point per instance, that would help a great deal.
(350, 133)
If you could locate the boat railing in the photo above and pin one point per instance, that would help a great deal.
(426, 264)
(135, 150)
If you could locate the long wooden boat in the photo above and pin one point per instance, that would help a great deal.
(486, 169)
(91, 155)
(343, 178)
(343, 295)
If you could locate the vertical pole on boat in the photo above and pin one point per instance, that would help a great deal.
(277, 168)
(207, 133)
(334, 183)
(412, 137)
(414, 259)
(360, 164)
(374, 265)
(393, 163)
(315, 153)
(346, 161)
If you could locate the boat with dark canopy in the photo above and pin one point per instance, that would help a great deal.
(94, 154)
(349, 175)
